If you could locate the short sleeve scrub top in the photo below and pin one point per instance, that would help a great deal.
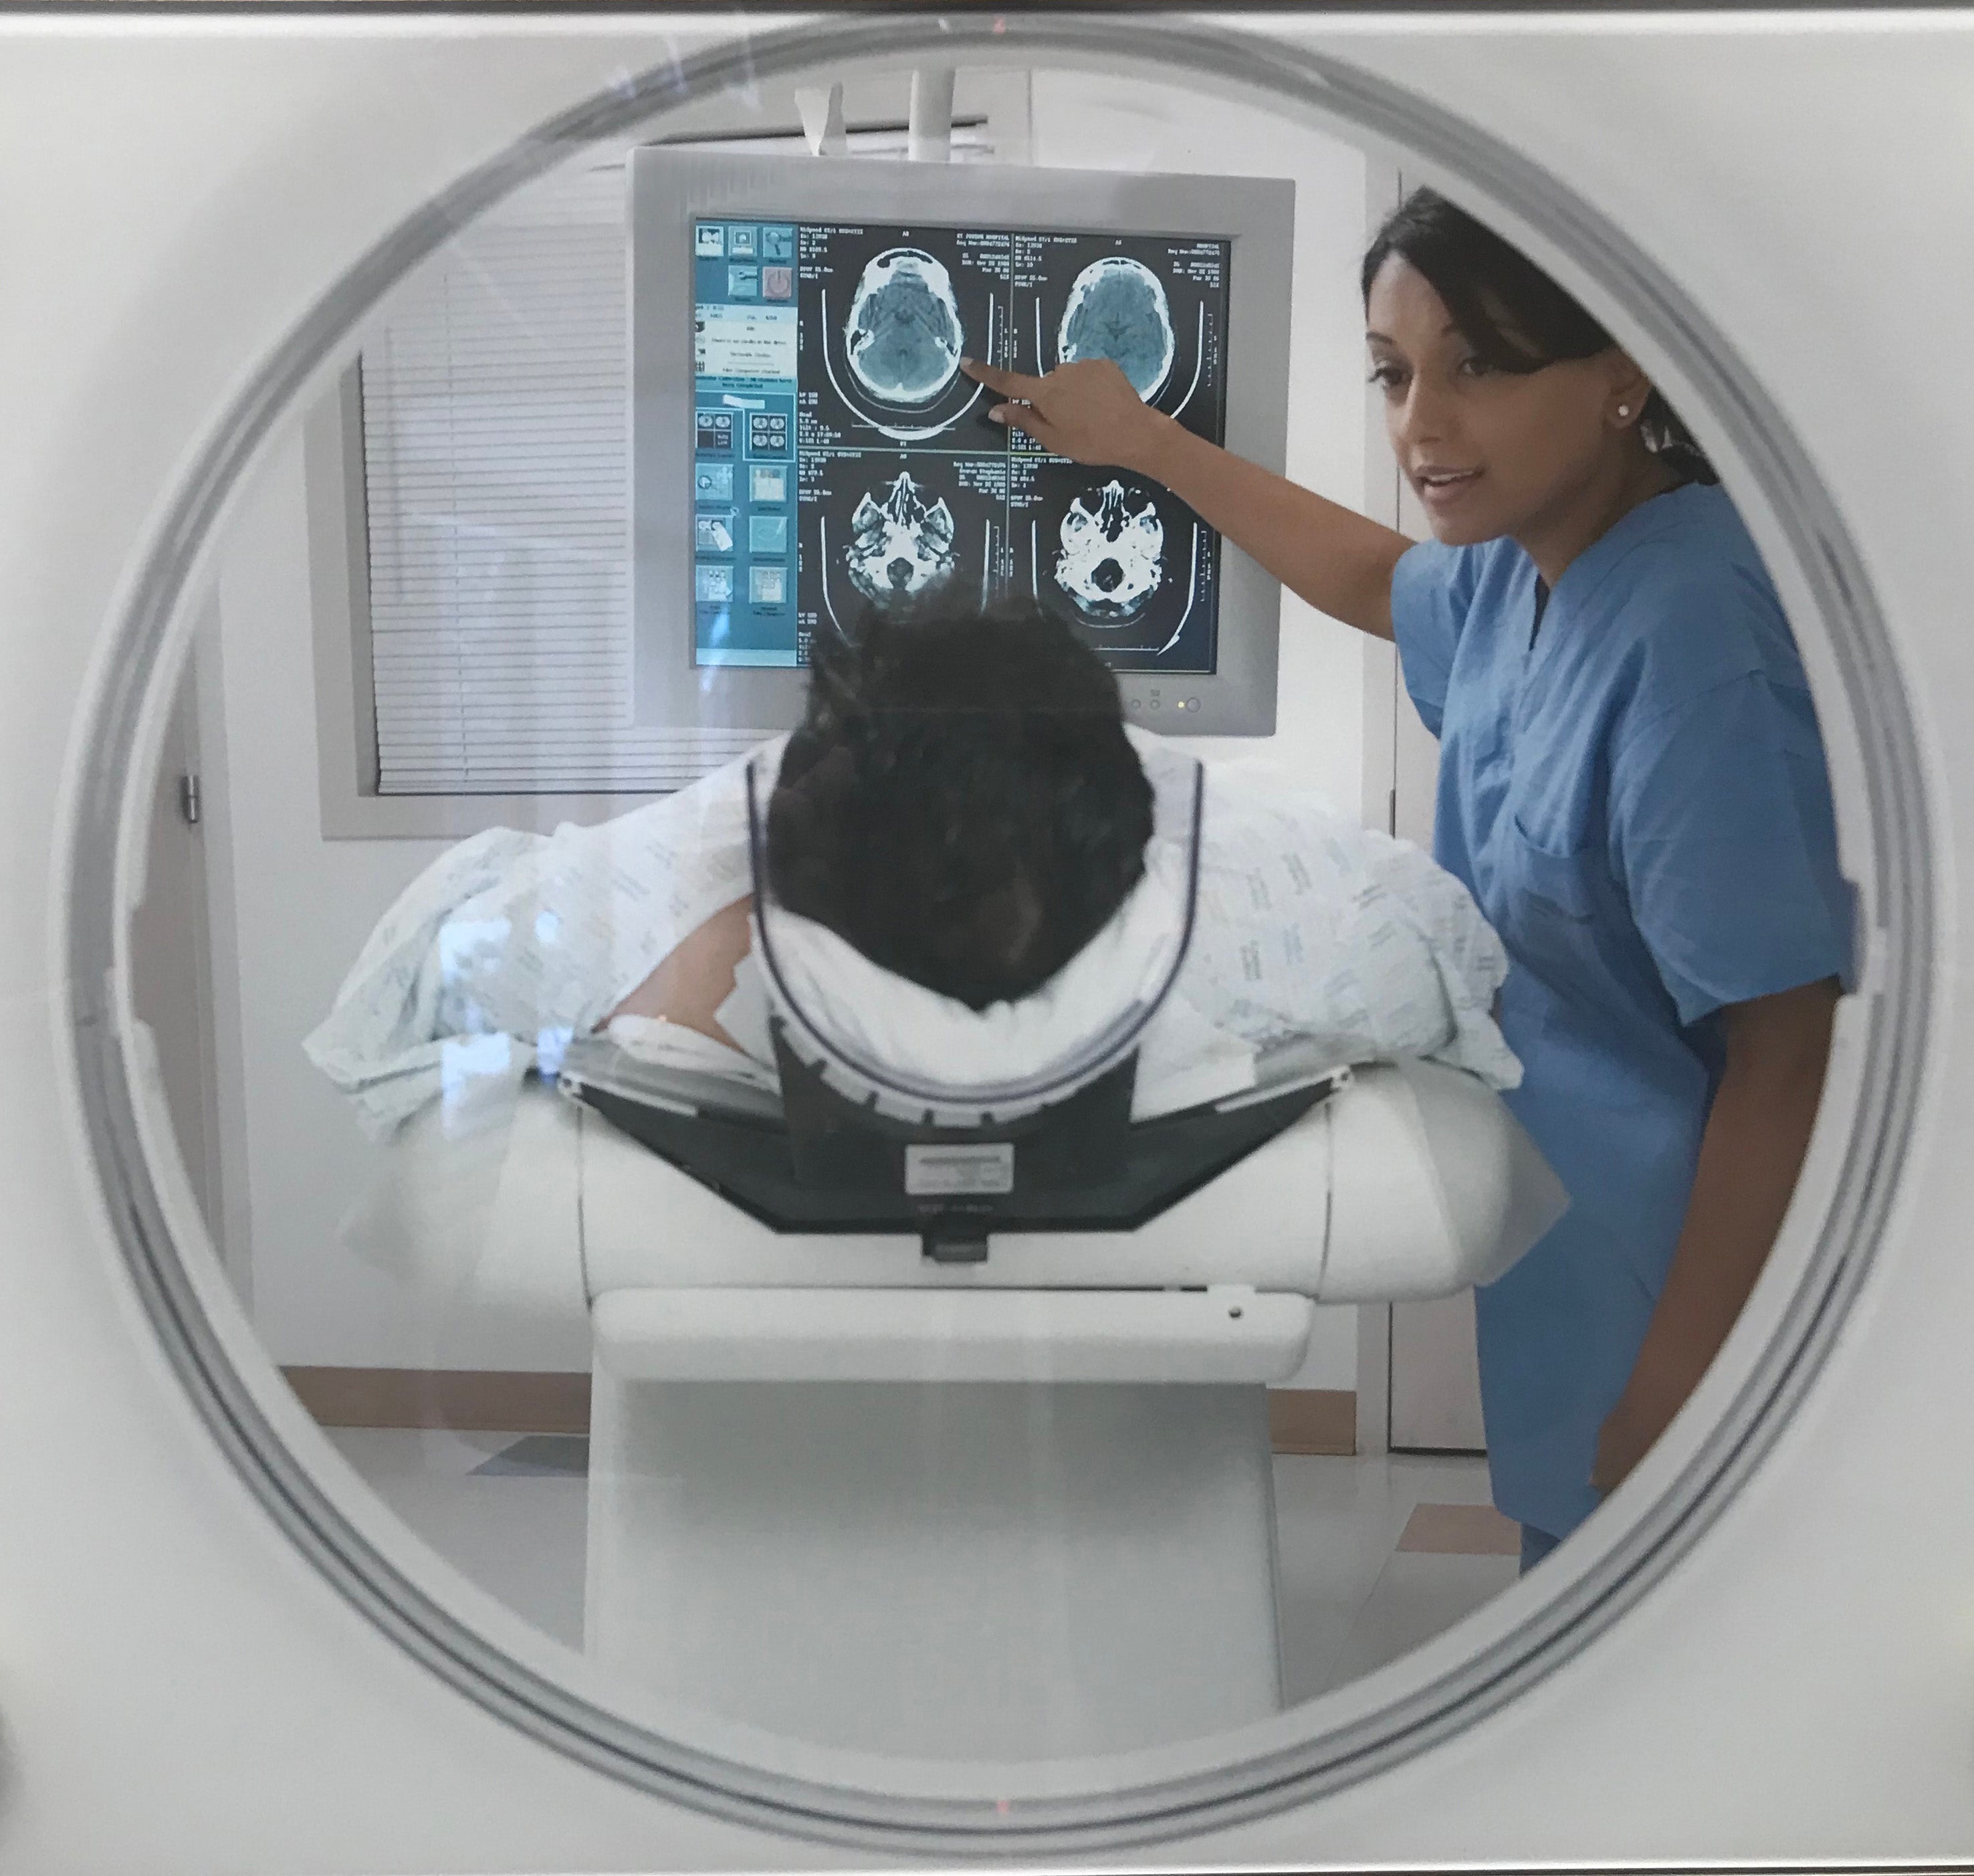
(1632, 786)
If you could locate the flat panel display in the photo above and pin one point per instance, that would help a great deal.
(843, 461)
(806, 448)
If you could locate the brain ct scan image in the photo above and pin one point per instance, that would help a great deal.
(1112, 557)
(1157, 308)
(887, 314)
(897, 530)
(901, 548)
(1118, 310)
(902, 337)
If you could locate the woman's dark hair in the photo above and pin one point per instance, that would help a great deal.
(961, 803)
(1515, 317)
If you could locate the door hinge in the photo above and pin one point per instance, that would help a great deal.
(188, 801)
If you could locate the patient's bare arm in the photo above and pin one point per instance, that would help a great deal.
(697, 976)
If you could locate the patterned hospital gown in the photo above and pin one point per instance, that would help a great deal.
(1307, 927)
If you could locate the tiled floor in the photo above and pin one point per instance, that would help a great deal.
(508, 1512)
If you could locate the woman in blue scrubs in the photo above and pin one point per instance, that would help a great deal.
(1632, 785)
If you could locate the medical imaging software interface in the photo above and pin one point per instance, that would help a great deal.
(843, 460)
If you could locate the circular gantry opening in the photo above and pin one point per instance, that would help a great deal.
(751, 1159)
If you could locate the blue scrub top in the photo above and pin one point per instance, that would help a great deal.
(1636, 795)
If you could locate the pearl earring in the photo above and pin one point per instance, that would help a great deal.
(1623, 410)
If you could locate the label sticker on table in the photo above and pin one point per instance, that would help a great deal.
(946, 1171)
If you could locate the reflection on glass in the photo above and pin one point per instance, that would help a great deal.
(827, 1222)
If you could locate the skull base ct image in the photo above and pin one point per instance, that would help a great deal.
(1112, 556)
(900, 533)
(900, 550)
(1128, 565)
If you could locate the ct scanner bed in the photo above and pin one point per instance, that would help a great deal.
(833, 1480)
(1412, 1180)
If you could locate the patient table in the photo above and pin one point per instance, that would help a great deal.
(1012, 1509)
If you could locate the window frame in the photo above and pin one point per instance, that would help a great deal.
(353, 806)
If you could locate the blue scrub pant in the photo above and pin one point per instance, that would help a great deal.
(1535, 1545)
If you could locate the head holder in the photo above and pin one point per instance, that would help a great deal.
(982, 1080)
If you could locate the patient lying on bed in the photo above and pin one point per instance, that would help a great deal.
(964, 818)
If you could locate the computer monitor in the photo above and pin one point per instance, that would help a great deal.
(805, 446)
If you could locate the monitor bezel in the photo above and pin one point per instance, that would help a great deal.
(670, 189)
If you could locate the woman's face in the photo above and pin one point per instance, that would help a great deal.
(1489, 452)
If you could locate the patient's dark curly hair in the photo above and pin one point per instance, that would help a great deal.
(961, 803)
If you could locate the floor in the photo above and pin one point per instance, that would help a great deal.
(1358, 1587)
(1377, 1555)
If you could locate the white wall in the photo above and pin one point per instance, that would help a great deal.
(304, 906)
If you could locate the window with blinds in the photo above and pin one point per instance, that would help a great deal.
(496, 459)
(496, 453)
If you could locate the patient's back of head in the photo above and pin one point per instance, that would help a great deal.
(961, 803)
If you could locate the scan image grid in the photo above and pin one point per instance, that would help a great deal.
(906, 492)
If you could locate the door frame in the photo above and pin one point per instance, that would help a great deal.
(1383, 190)
(1401, 769)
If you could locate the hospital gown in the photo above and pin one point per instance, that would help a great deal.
(1307, 928)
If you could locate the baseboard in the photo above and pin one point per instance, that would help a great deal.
(1313, 1421)
(472, 1400)
(1301, 1420)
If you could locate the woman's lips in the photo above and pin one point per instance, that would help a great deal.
(1442, 494)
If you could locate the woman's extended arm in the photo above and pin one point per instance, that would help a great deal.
(1777, 1047)
(1338, 560)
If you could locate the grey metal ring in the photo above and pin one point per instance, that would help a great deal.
(1320, 89)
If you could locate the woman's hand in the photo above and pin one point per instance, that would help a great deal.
(1777, 1047)
(1087, 411)
(1334, 558)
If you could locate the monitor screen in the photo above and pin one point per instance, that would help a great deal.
(842, 460)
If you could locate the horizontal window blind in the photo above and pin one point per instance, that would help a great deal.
(496, 412)
(496, 456)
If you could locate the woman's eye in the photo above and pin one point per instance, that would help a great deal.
(1384, 375)
(1479, 367)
